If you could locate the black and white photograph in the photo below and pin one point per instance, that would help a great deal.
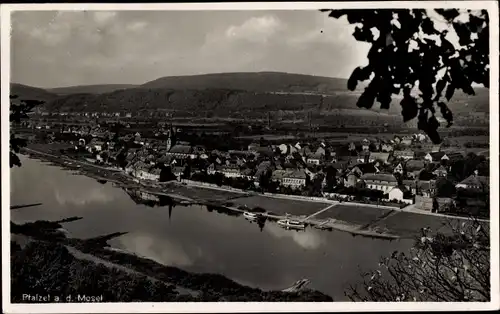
(300, 156)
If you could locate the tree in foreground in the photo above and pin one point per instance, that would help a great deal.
(453, 267)
(411, 55)
(18, 111)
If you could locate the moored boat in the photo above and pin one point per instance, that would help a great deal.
(291, 224)
(250, 216)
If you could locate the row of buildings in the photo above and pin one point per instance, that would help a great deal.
(395, 173)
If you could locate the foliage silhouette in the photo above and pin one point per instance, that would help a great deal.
(440, 267)
(18, 112)
(410, 55)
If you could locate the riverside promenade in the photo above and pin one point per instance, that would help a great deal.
(187, 193)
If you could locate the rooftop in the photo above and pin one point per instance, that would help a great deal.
(415, 165)
(181, 149)
(385, 177)
(476, 181)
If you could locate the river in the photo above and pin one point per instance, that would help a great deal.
(195, 239)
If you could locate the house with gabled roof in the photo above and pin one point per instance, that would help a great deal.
(316, 158)
(430, 147)
(384, 157)
(380, 181)
(452, 156)
(414, 167)
(399, 169)
(475, 183)
(230, 170)
(387, 147)
(407, 142)
(434, 156)
(182, 152)
(441, 171)
(406, 154)
(294, 178)
(362, 169)
(364, 157)
(443, 156)
(425, 188)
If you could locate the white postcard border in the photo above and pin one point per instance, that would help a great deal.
(191, 307)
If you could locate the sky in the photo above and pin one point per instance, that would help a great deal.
(66, 48)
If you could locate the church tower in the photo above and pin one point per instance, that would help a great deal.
(171, 138)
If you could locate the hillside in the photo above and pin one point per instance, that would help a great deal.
(248, 95)
(25, 92)
(216, 101)
(339, 108)
(89, 89)
(252, 81)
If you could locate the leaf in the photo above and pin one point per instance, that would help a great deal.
(476, 23)
(450, 91)
(355, 16)
(433, 123)
(422, 120)
(425, 87)
(440, 85)
(410, 108)
(463, 33)
(352, 82)
(366, 99)
(467, 88)
(364, 73)
(448, 14)
(461, 81)
(428, 26)
(447, 47)
(337, 13)
(14, 160)
(446, 113)
(384, 98)
(433, 136)
(361, 35)
(486, 79)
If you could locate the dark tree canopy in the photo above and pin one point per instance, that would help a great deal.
(410, 55)
(451, 267)
(18, 112)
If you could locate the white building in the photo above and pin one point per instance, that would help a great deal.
(230, 171)
(290, 178)
(380, 181)
(397, 194)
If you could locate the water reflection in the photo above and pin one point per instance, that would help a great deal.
(200, 238)
(151, 200)
(160, 250)
(310, 239)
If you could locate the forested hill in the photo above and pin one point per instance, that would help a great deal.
(234, 95)
(25, 92)
(252, 81)
(90, 89)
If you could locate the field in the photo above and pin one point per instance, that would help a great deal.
(409, 224)
(200, 193)
(280, 206)
(359, 215)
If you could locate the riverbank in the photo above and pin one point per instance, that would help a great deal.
(357, 219)
(189, 194)
(73, 267)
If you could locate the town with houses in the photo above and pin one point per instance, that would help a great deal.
(400, 171)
